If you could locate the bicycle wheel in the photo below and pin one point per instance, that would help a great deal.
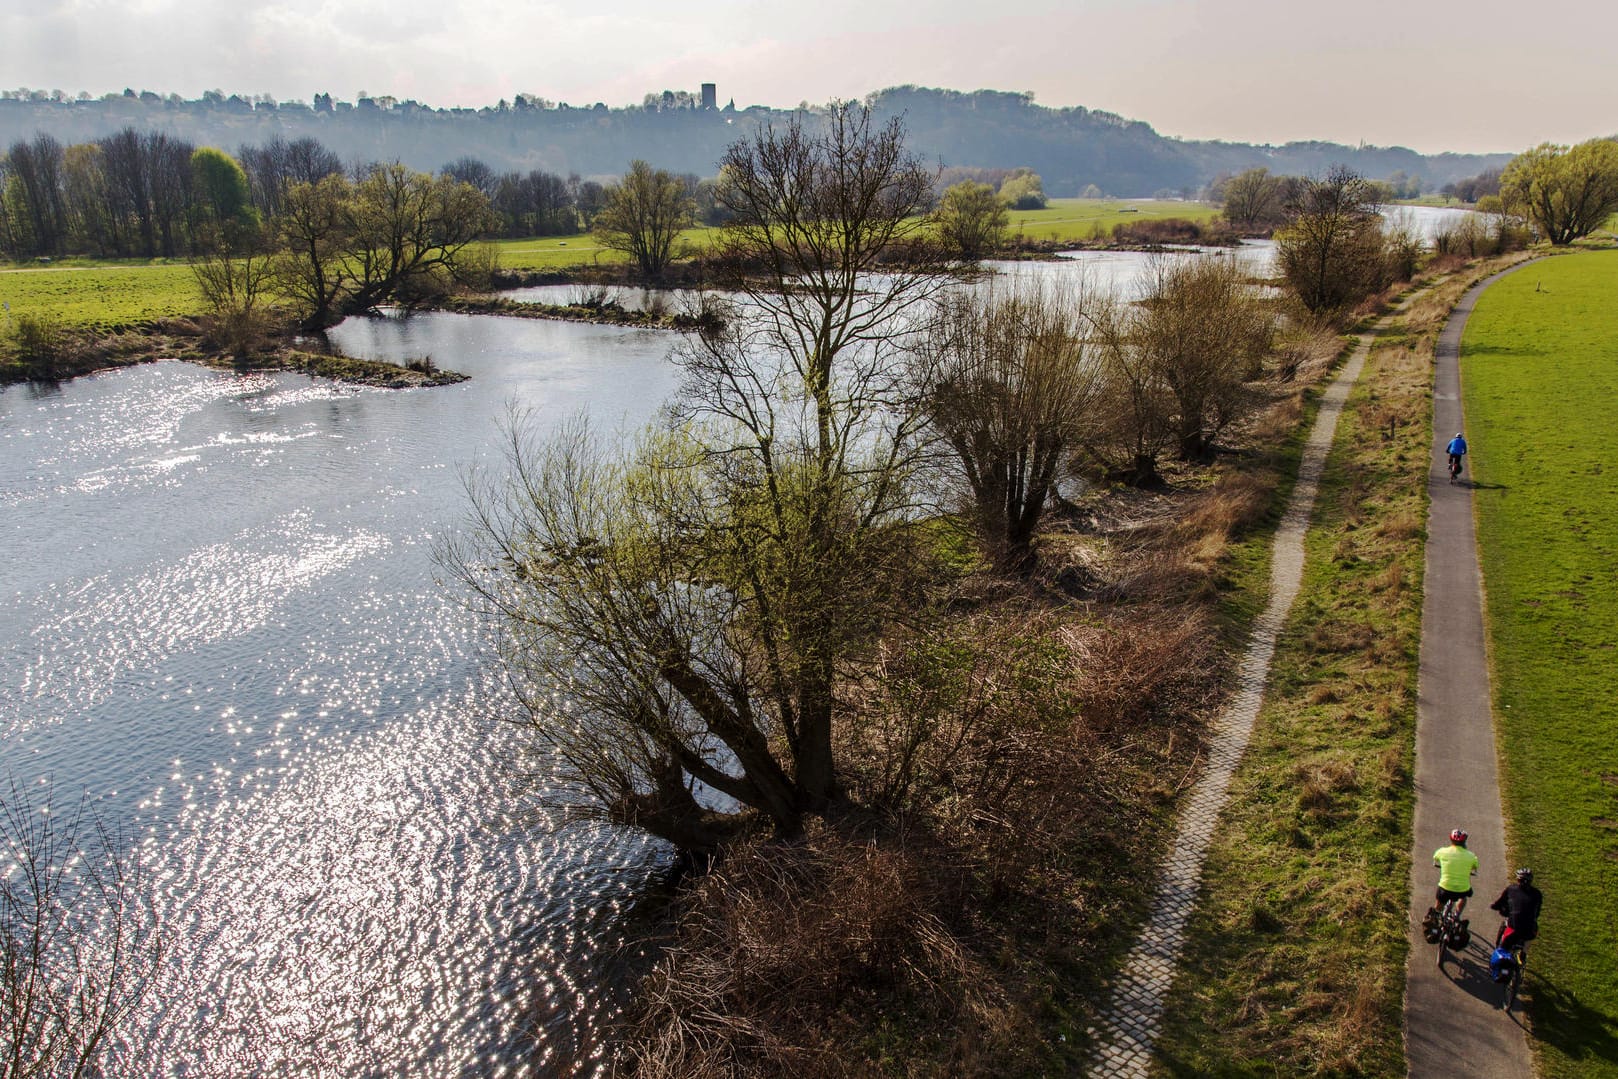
(1515, 981)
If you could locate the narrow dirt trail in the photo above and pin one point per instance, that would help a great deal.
(1453, 1024)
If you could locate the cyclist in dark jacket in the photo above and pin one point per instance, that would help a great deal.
(1519, 905)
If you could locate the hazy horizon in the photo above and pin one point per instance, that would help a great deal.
(1257, 71)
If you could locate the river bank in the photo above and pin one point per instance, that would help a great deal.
(66, 354)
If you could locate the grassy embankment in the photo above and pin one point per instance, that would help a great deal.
(1539, 368)
(1295, 956)
(112, 314)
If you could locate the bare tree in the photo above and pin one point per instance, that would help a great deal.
(1253, 199)
(1205, 334)
(308, 162)
(1012, 383)
(679, 621)
(474, 171)
(1330, 250)
(130, 186)
(1177, 366)
(77, 954)
(35, 185)
(233, 273)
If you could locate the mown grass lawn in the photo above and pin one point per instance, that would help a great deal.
(1539, 373)
(100, 294)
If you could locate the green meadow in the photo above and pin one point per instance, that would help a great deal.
(564, 252)
(1075, 220)
(1084, 219)
(100, 295)
(1539, 369)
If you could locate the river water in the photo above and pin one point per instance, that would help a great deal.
(220, 618)
(218, 615)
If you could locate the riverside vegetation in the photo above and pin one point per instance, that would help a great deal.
(951, 746)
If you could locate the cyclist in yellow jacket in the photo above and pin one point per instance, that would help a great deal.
(1456, 868)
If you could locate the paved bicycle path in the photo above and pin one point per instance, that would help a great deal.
(1453, 1025)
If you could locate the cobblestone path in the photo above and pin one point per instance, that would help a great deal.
(1130, 1023)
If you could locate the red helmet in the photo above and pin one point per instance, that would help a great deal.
(1457, 836)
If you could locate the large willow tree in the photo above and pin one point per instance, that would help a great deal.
(681, 620)
(1567, 192)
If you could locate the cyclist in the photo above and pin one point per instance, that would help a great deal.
(1519, 905)
(1456, 450)
(1456, 866)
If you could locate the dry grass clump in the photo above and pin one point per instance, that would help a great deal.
(789, 951)
(930, 939)
(1306, 352)
(1230, 507)
(1152, 667)
(1321, 784)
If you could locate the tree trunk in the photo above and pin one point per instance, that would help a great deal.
(670, 812)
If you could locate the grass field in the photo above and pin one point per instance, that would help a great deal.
(1083, 219)
(1064, 219)
(1539, 368)
(100, 295)
(94, 294)
(562, 252)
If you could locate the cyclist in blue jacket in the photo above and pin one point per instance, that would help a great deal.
(1457, 450)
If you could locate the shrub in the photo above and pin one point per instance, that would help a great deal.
(43, 346)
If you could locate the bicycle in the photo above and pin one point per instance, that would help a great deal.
(1518, 959)
(1454, 467)
(1446, 928)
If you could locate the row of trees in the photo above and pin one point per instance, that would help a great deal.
(130, 194)
(136, 194)
(144, 195)
(688, 621)
(643, 214)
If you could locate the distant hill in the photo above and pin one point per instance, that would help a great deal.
(1071, 148)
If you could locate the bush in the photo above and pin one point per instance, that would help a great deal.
(43, 346)
(1477, 236)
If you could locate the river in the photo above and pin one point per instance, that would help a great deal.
(220, 619)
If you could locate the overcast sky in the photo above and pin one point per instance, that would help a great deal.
(1479, 76)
